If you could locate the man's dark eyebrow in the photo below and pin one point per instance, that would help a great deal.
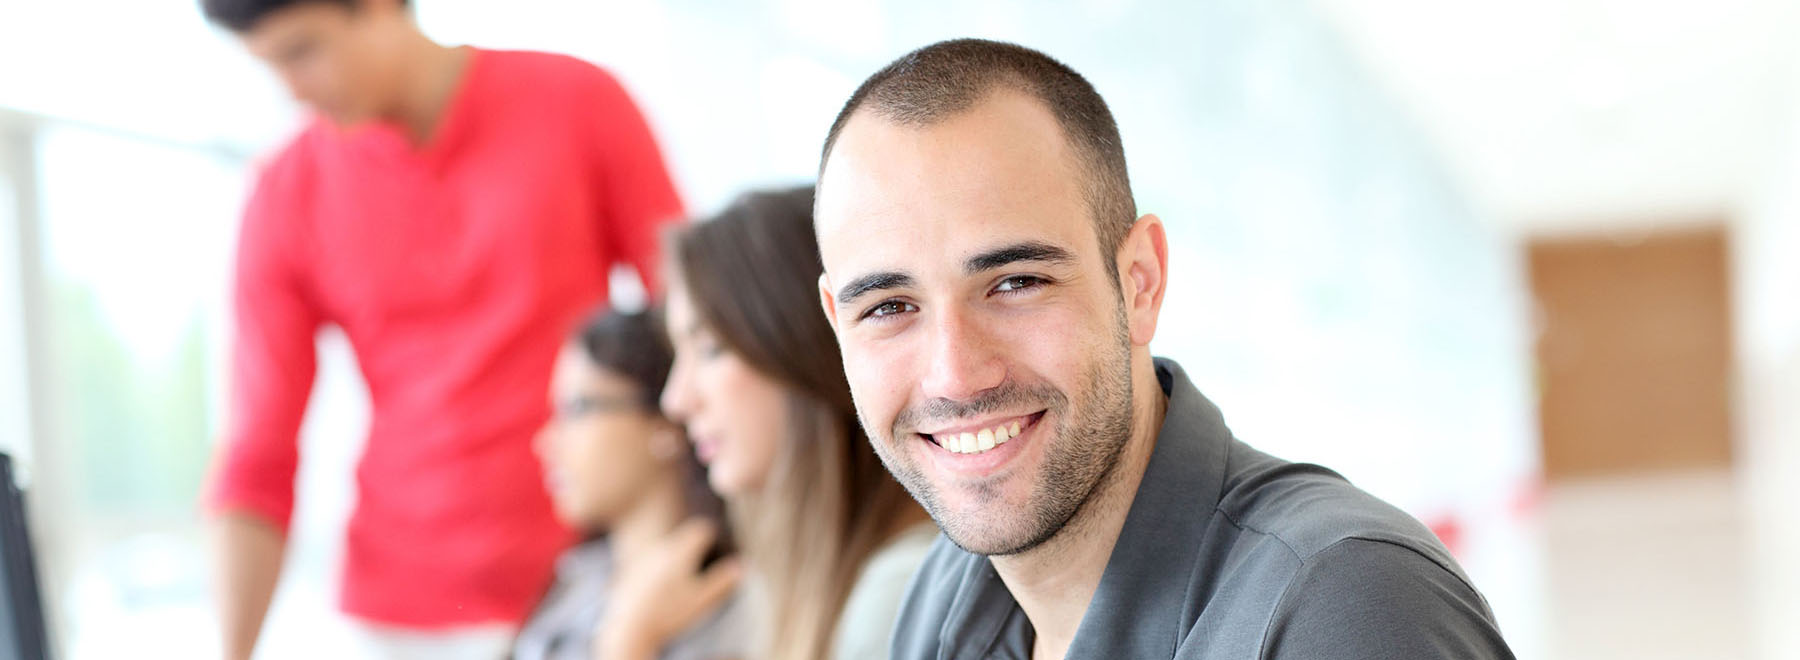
(1026, 251)
(890, 279)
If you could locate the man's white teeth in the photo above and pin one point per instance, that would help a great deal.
(980, 441)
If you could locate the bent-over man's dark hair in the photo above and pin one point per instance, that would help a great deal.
(242, 15)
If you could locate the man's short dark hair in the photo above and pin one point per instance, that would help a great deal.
(242, 15)
(934, 83)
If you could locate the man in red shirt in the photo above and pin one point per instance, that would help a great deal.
(453, 211)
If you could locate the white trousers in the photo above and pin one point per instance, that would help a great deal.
(492, 641)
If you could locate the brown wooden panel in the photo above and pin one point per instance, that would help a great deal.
(1634, 353)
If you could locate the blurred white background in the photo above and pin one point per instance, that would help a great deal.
(1350, 188)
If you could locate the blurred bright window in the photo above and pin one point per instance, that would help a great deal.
(135, 245)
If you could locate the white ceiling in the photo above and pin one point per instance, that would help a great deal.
(1572, 115)
(1557, 115)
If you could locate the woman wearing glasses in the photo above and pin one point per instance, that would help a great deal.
(623, 475)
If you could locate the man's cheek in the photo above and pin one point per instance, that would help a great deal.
(863, 374)
(1052, 358)
(875, 371)
(881, 383)
(1043, 338)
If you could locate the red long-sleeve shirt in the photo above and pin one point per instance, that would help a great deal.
(456, 269)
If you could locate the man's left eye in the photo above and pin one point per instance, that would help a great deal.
(1018, 283)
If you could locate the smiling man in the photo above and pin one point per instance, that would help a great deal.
(995, 293)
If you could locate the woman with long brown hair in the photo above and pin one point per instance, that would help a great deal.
(829, 539)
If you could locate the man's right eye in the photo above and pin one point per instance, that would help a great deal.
(889, 308)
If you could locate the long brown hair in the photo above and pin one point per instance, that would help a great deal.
(752, 275)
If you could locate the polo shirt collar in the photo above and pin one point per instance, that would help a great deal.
(1139, 607)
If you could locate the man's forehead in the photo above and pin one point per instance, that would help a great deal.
(1001, 167)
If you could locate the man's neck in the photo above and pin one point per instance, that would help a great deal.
(1054, 582)
(430, 75)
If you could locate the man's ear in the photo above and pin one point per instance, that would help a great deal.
(1143, 263)
(825, 300)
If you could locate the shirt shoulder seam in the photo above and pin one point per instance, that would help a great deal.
(1293, 578)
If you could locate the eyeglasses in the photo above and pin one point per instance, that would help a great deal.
(583, 406)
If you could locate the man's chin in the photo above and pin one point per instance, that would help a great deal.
(990, 542)
(991, 534)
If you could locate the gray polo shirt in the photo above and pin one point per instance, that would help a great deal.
(1227, 552)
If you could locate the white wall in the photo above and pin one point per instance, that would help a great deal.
(1580, 115)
